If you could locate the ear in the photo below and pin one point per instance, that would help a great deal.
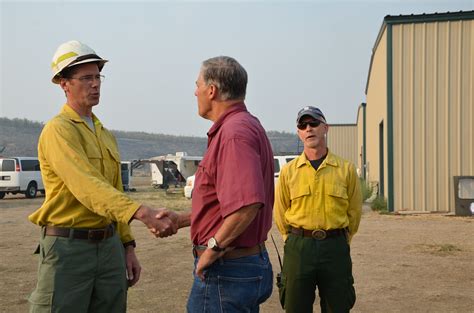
(212, 93)
(326, 128)
(63, 84)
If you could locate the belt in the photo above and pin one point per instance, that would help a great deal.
(318, 234)
(233, 254)
(94, 234)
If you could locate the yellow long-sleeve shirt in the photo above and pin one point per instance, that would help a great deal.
(81, 176)
(327, 198)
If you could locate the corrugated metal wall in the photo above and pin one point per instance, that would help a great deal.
(360, 138)
(377, 112)
(433, 107)
(342, 140)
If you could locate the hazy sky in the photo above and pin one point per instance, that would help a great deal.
(296, 54)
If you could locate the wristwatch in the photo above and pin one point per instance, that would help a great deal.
(212, 244)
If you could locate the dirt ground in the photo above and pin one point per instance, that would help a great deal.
(401, 263)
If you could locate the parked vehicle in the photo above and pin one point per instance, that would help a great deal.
(20, 175)
(279, 161)
(172, 170)
(126, 173)
(188, 189)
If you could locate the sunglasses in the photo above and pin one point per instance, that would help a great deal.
(313, 124)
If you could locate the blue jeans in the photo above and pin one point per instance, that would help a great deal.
(236, 285)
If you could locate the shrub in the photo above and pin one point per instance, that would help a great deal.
(379, 204)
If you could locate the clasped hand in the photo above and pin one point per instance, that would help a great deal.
(161, 222)
(169, 222)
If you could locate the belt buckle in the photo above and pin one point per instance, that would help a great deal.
(96, 235)
(319, 234)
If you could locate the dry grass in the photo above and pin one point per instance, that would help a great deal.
(444, 249)
(171, 199)
(413, 264)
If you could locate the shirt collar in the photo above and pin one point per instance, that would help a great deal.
(329, 160)
(235, 108)
(72, 115)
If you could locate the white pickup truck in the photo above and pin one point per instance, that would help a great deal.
(279, 161)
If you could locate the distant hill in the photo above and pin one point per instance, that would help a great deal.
(19, 137)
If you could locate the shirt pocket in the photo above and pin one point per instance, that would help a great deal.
(336, 197)
(206, 172)
(299, 192)
(94, 156)
(114, 156)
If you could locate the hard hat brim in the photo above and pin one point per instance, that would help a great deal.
(100, 62)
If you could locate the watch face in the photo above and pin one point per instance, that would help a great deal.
(212, 243)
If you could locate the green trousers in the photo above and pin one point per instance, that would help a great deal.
(75, 275)
(311, 264)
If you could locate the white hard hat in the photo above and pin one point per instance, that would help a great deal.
(73, 53)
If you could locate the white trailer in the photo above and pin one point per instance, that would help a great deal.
(172, 170)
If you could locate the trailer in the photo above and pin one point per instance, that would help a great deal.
(172, 170)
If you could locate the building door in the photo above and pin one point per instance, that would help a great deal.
(381, 161)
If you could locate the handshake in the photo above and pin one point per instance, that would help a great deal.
(161, 222)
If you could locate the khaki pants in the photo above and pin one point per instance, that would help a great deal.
(76, 275)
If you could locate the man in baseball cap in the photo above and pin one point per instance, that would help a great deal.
(311, 111)
(317, 210)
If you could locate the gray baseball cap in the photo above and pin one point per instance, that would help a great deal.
(311, 111)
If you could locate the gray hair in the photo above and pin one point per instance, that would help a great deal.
(227, 75)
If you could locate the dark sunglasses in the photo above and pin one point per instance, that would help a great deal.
(313, 124)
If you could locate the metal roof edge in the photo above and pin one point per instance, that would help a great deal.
(342, 124)
(430, 17)
(361, 105)
(379, 37)
(415, 18)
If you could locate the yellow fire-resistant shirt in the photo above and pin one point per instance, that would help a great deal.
(82, 176)
(327, 198)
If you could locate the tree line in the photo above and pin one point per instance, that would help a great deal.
(19, 137)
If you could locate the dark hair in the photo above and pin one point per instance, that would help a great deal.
(227, 75)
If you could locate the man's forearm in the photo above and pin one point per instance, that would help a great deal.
(236, 223)
(184, 219)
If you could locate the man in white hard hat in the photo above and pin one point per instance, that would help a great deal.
(87, 251)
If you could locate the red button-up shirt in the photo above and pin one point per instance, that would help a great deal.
(236, 171)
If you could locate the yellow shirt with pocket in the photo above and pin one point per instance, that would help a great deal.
(82, 176)
(327, 198)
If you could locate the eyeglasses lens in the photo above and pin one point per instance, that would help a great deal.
(313, 124)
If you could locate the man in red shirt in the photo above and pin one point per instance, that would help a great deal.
(232, 198)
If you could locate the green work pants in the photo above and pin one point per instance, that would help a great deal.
(324, 264)
(76, 275)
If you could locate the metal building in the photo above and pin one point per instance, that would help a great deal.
(419, 128)
(342, 140)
